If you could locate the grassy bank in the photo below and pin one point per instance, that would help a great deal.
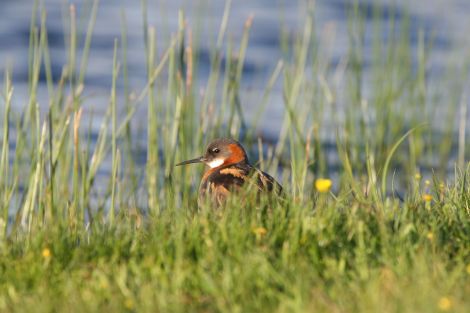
(341, 256)
(86, 225)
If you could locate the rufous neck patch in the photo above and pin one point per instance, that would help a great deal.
(236, 156)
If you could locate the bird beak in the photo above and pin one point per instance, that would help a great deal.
(196, 160)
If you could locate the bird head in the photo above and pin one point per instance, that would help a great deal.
(220, 152)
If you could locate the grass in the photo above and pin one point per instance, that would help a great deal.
(391, 236)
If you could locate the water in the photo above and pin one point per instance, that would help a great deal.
(445, 20)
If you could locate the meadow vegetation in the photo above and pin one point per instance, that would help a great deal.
(386, 230)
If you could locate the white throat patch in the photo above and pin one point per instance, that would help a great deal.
(215, 163)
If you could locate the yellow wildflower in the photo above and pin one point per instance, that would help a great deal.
(417, 176)
(430, 236)
(129, 303)
(427, 197)
(104, 284)
(259, 231)
(427, 182)
(444, 304)
(46, 253)
(323, 185)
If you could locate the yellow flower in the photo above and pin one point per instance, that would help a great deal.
(104, 284)
(323, 185)
(417, 176)
(427, 197)
(259, 231)
(129, 303)
(444, 304)
(427, 182)
(46, 253)
(430, 236)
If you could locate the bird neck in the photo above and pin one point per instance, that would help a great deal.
(237, 155)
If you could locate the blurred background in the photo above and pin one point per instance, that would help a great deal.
(445, 23)
(388, 65)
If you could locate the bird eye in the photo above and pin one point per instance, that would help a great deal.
(216, 150)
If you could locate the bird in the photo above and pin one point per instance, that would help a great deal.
(229, 172)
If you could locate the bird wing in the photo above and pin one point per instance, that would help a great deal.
(267, 182)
